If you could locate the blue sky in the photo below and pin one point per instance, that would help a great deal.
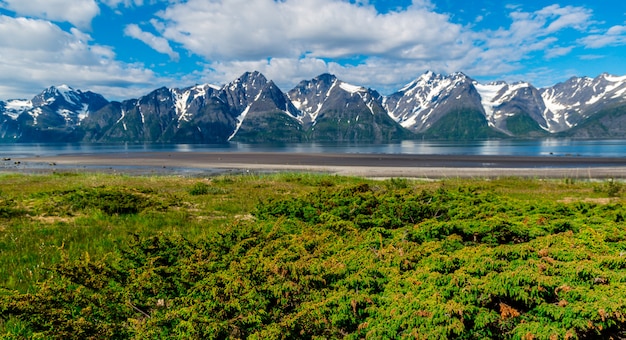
(126, 48)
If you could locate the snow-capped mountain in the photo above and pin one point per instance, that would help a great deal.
(517, 109)
(252, 108)
(64, 106)
(422, 102)
(310, 95)
(334, 110)
(321, 94)
(202, 113)
(189, 102)
(53, 114)
(263, 111)
(192, 114)
(571, 102)
(506, 104)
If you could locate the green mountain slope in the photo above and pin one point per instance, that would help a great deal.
(608, 123)
(462, 124)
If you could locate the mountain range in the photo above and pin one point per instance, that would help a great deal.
(253, 109)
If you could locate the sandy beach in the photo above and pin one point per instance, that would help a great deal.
(365, 165)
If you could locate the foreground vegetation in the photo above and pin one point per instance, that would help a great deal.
(310, 256)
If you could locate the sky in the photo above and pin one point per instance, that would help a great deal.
(123, 49)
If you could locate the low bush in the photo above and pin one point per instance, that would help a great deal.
(459, 260)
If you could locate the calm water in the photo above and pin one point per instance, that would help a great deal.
(545, 147)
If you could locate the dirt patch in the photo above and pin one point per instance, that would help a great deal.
(53, 219)
(600, 200)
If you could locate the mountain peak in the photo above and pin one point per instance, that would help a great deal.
(459, 75)
(613, 78)
(53, 93)
(428, 75)
(252, 77)
(64, 88)
(249, 80)
(430, 78)
(325, 78)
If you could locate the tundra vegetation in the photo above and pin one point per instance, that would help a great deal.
(297, 255)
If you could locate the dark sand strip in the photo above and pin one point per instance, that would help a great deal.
(367, 165)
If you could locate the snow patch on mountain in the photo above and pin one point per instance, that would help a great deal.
(494, 95)
(121, 120)
(84, 113)
(351, 88)
(15, 107)
(36, 112)
(488, 95)
(66, 114)
(69, 94)
(181, 101)
(242, 116)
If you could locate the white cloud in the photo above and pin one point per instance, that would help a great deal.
(125, 3)
(257, 29)
(383, 75)
(35, 54)
(159, 44)
(288, 40)
(614, 36)
(131, 3)
(530, 32)
(591, 57)
(558, 51)
(77, 12)
(578, 18)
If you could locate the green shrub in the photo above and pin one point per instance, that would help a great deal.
(8, 208)
(461, 260)
(201, 188)
(109, 200)
(610, 187)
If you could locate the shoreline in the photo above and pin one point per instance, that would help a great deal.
(362, 165)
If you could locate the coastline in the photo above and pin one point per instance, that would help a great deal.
(362, 165)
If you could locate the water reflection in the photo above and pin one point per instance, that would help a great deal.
(544, 147)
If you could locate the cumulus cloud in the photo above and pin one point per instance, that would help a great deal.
(77, 12)
(256, 29)
(159, 44)
(288, 40)
(291, 40)
(35, 54)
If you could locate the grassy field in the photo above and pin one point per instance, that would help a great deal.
(310, 256)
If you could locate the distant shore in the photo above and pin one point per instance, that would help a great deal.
(363, 165)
